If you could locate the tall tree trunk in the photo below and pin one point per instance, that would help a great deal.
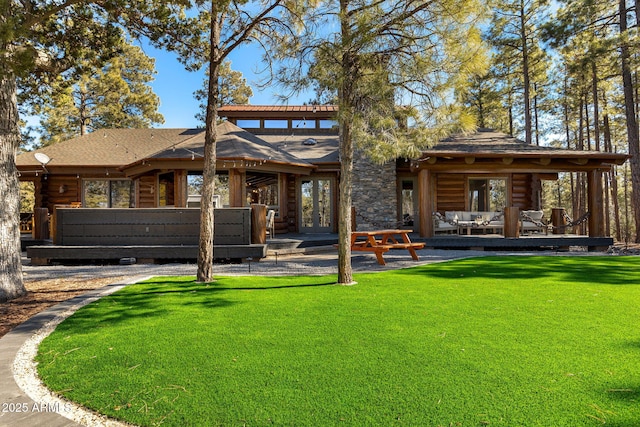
(627, 221)
(525, 74)
(83, 108)
(535, 114)
(632, 123)
(613, 176)
(607, 204)
(205, 251)
(587, 124)
(346, 112)
(596, 106)
(616, 203)
(11, 285)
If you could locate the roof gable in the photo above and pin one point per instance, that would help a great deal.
(232, 143)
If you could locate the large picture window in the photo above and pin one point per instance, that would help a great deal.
(105, 193)
(194, 189)
(487, 194)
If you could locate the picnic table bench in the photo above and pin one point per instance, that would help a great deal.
(381, 241)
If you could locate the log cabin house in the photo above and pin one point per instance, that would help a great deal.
(286, 157)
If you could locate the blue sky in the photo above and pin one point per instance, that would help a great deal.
(175, 86)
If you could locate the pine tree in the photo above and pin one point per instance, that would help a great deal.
(383, 55)
(234, 90)
(208, 38)
(39, 41)
(116, 95)
(515, 34)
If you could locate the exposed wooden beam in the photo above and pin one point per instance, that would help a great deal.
(518, 165)
(580, 161)
(544, 161)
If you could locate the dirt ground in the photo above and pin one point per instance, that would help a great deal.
(44, 294)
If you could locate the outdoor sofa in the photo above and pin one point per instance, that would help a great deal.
(466, 221)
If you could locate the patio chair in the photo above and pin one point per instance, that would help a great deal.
(271, 216)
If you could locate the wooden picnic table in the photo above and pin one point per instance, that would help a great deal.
(381, 241)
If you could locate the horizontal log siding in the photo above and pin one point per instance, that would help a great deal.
(521, 193)
(450, 192)
(146, 197)
(70, 185)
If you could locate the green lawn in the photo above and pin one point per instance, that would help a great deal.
(499, 341)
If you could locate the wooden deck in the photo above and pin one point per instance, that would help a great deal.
(531, 242)
(42, 252)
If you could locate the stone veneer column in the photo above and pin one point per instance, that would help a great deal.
(374, 194)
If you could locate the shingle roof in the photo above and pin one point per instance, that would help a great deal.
(232, 142)
(325, 149)
(489, 143)
(109, 147)
(122, 147)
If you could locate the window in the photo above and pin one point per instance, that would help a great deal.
(487, 194)
(276, 124)
(166, 192)
(248, 123)
(262, 188)
(104, 193)
(328, 124)
(194, 190)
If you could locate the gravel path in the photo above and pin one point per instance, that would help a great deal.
(318, 263)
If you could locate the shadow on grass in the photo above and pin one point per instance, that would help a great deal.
(145, 299)
(624, 393)
(227, 284)
(601, 270)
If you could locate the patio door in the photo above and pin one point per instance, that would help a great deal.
(316, 205)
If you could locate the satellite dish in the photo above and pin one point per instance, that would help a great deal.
(42, 158)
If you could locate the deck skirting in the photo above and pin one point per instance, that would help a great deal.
(497, 243)
(44, 255)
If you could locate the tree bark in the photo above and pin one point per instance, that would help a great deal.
(205, 250)
(526, 79)
(596, 105)
(613, 176)
(346, 112)
(11, 285)
(632, 123)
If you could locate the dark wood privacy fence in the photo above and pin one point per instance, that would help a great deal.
(150, 235)
(82, 226)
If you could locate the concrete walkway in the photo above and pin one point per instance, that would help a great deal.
(19, 410)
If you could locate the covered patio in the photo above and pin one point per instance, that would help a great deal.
(492, 173)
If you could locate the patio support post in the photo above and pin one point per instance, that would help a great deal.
(259, 224)
(180, 189)
(425, 203)
(594, 188)
(511, 222)
(237, 184)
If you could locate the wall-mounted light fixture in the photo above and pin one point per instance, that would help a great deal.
(62, 189)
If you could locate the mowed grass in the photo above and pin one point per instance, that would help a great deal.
(499, 341)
